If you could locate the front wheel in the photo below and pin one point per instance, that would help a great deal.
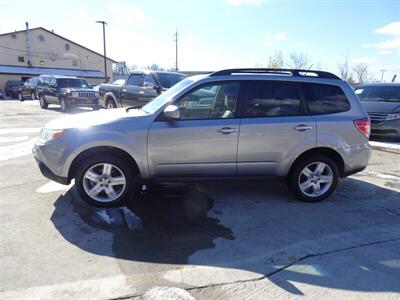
(105, 181)
(110, 104)
(42, 102)
(314, 179)
(64, 105)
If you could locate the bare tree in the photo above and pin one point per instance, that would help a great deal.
(361, 72)
(299, 60)
(154, 67)
(344, 71)
(276, 60)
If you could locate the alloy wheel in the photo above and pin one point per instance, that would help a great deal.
(104, 182)
(315, 179)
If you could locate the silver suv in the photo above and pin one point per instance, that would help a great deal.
(306, 126)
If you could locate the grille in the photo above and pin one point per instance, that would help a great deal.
(377, 117)
(87, 95)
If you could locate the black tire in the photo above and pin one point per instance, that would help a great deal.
(42, 102)
(33, 96)
(64, 105)
(130, 176)
(110, 103)
(293, 179)
(20, 97)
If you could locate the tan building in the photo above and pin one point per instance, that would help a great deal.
(28, 53)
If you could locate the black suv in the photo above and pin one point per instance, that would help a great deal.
(67, 92)
(28, 90)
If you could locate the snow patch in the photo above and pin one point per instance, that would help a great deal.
(20, 130)
(167, 293)
(379, 175)
(52, 186)
(391, 146)
(9, 139)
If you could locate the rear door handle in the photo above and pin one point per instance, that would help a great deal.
(302, 128)
(226, 130)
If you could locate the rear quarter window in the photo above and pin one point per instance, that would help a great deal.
(325, 99)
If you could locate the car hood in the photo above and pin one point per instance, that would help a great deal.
(76, 90)
(381, 107)
(89, 119)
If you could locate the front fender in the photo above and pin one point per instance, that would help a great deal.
(129, 144)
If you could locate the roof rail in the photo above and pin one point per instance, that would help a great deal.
(289, 72)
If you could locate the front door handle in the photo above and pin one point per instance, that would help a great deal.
(226, 130)
(302, 128)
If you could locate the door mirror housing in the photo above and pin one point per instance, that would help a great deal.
(172, 112)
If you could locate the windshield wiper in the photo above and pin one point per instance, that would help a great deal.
(132, 107)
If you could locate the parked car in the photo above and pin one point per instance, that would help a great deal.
(66, 91)
(306, 126)
(1, 94)
(382, 103)
(13, 88)
(28, 89)
(140, 88)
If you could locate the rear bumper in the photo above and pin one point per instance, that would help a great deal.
(355, 158)
(387, 128)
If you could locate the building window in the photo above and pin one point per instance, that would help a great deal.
(67, 47)
(42, 62)
(74, 63)
(21, 59)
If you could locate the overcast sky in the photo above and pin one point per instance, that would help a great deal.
(217, 34)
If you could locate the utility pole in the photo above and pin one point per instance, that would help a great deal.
(104, 44)
(28, 45)
(176, 50)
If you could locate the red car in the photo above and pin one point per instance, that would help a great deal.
(13, 88)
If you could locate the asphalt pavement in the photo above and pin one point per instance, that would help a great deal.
(256, 241)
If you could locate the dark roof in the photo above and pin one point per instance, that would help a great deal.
(60, 36)
(35, 71)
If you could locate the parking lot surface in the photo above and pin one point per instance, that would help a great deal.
(257, 242)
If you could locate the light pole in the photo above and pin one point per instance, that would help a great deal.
(104, 44)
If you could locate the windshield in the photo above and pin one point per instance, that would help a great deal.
(14, 83)
(158, 102)
(168, 80)
(72, 83)
(379, 93)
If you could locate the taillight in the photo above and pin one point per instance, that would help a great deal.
(364, 126)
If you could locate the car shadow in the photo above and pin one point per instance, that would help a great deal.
(261, 220)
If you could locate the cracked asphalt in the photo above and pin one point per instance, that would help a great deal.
(256, 242)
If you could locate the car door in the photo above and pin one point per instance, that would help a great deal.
(274, 123)
(51, 91)
(203, 142)
(132, 90)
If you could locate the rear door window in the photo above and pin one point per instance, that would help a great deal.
(325, 99)
(272, 99)
(135, 80)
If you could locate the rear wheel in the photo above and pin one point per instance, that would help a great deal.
(314, 179)
(110, 104)
(20, 97)
(42, 102)
(105, 181)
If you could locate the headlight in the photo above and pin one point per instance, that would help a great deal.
(392, 117)
(47, 135)
(75, 94)
(97, 95)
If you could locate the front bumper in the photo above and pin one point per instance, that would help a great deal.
(83, 102)
(46, 172)
(386, 128)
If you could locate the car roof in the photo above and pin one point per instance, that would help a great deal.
(378, 84)
(155, 72)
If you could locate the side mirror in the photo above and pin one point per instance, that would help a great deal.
(172, 112)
